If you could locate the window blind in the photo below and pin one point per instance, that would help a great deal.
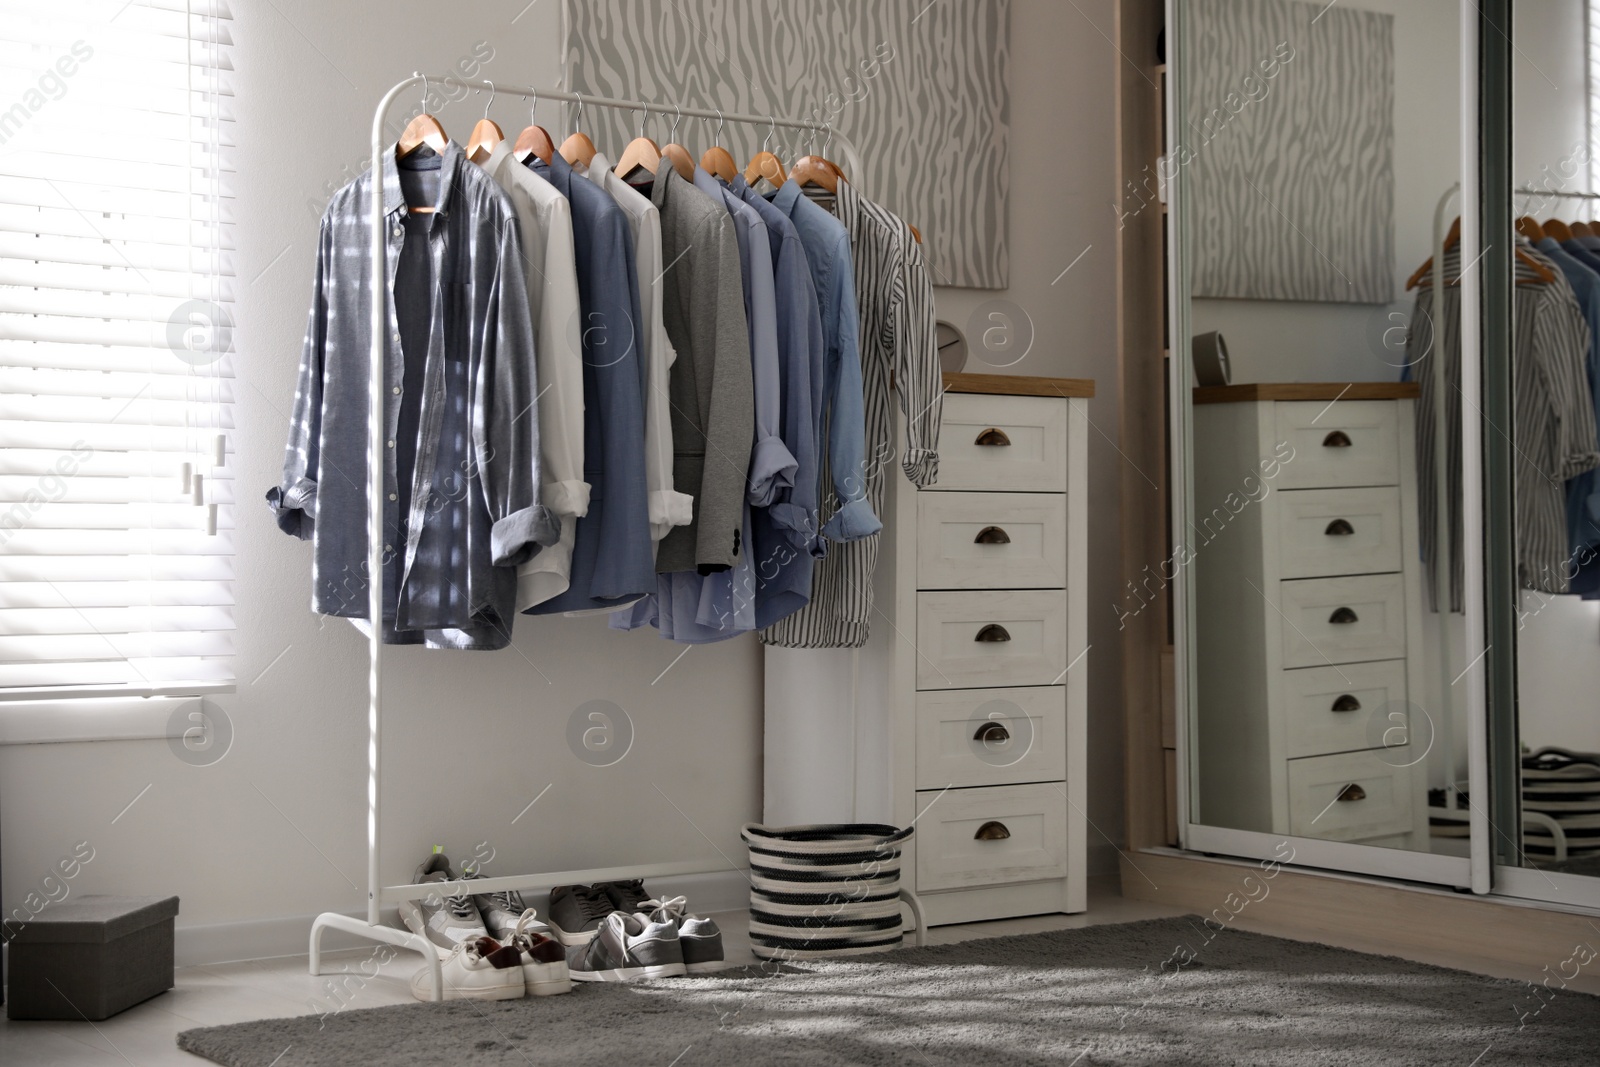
(116, 357)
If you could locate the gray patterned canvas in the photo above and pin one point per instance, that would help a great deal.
(1288, 146)
(921, 89)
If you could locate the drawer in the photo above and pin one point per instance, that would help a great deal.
(1351, 797)
(1342, 620)
(991, 737)
(979, 640)
(1347, 442)
(999, 443)
(1343, 709)
(1324, 532)
(971, 837)
(991, 541)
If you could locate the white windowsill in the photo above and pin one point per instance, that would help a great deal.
(95, 718)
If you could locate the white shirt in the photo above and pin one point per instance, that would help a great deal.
(545, 220)
(668, 508)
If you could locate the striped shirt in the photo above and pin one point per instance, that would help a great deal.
(894, 298)
(1552, 409)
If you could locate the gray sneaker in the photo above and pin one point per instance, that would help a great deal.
(627, 947)
(445, 921)
(500, 911)
(576, 912)
(700, 937)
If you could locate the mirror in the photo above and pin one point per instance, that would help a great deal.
(1315, 148)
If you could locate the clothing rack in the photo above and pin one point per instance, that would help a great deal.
(378, 895)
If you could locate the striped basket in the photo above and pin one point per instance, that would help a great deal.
(827, 890)
(1565, 787)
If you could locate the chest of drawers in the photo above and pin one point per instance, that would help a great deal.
(1308, 616)
(982, 581)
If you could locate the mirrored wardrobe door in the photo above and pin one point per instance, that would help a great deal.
(1315, 178)
(1547, 786)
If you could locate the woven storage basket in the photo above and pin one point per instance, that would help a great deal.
(826, 890)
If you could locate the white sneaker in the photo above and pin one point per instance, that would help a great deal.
(544, 961)
(477, 970)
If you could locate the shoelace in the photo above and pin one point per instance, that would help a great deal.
(673, 908)
(593, 905)
(522, 939)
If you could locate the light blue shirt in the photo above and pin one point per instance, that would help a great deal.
(1585, 282)
(840, 405)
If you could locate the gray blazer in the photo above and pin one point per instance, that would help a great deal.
(713, 402)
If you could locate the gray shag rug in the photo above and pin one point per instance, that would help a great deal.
(1164, 991)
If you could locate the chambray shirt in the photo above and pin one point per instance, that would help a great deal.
(1585, 282)
(613, 556)
(840, 406)
(787, 535)
(462, 478)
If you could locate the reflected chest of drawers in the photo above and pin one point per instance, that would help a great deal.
(1308, 613)
(986, 651)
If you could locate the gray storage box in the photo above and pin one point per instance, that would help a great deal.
(91, 957)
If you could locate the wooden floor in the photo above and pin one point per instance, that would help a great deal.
(262, 989)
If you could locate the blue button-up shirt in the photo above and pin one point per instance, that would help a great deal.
(840, 405)
(613, 556)
(1585, 281)
(787, 535)
(462, 479)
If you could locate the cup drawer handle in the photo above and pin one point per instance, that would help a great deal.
(1336, 439)
(993, 632)
(993, 437)
(1343, 617)
(1347, 703)
(992, 831)
(1351, 793)
(992, 733)
(1339, 528)
(992, 535)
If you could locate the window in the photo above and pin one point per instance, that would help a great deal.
(116, 376)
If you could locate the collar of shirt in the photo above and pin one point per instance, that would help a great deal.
(394, 200)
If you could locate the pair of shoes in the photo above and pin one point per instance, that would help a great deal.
(700, 937)
(484, 969)
(452, 921)
(659, 940)
(576, 911)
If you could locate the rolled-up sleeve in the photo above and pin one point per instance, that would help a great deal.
(506, 431)
(294, 499)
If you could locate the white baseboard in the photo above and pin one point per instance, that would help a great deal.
(255, 939)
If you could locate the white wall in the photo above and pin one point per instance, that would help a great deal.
(275, 832)
(1280, 341)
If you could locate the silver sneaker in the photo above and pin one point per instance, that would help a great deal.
(500, 911)
(445, 921)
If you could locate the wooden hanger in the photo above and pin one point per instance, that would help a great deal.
(1582, 229)
(1422, 273)
(764, 164)
(718, 161)
(422, 130)
(1557, 229)
(578, 148)
(1530, 228)
(641, 154)
(486, 135)
(818, 170)
(915, 232)
(675, 153)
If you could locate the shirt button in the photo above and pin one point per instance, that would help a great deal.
(394, 496)
(397, 390)
(388, 548)
(397, 337)
(391, 444)
(398, 231)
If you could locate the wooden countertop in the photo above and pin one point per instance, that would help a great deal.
(1238, 394)
(1018, 385)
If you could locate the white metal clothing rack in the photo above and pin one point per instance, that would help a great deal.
(378, 894)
